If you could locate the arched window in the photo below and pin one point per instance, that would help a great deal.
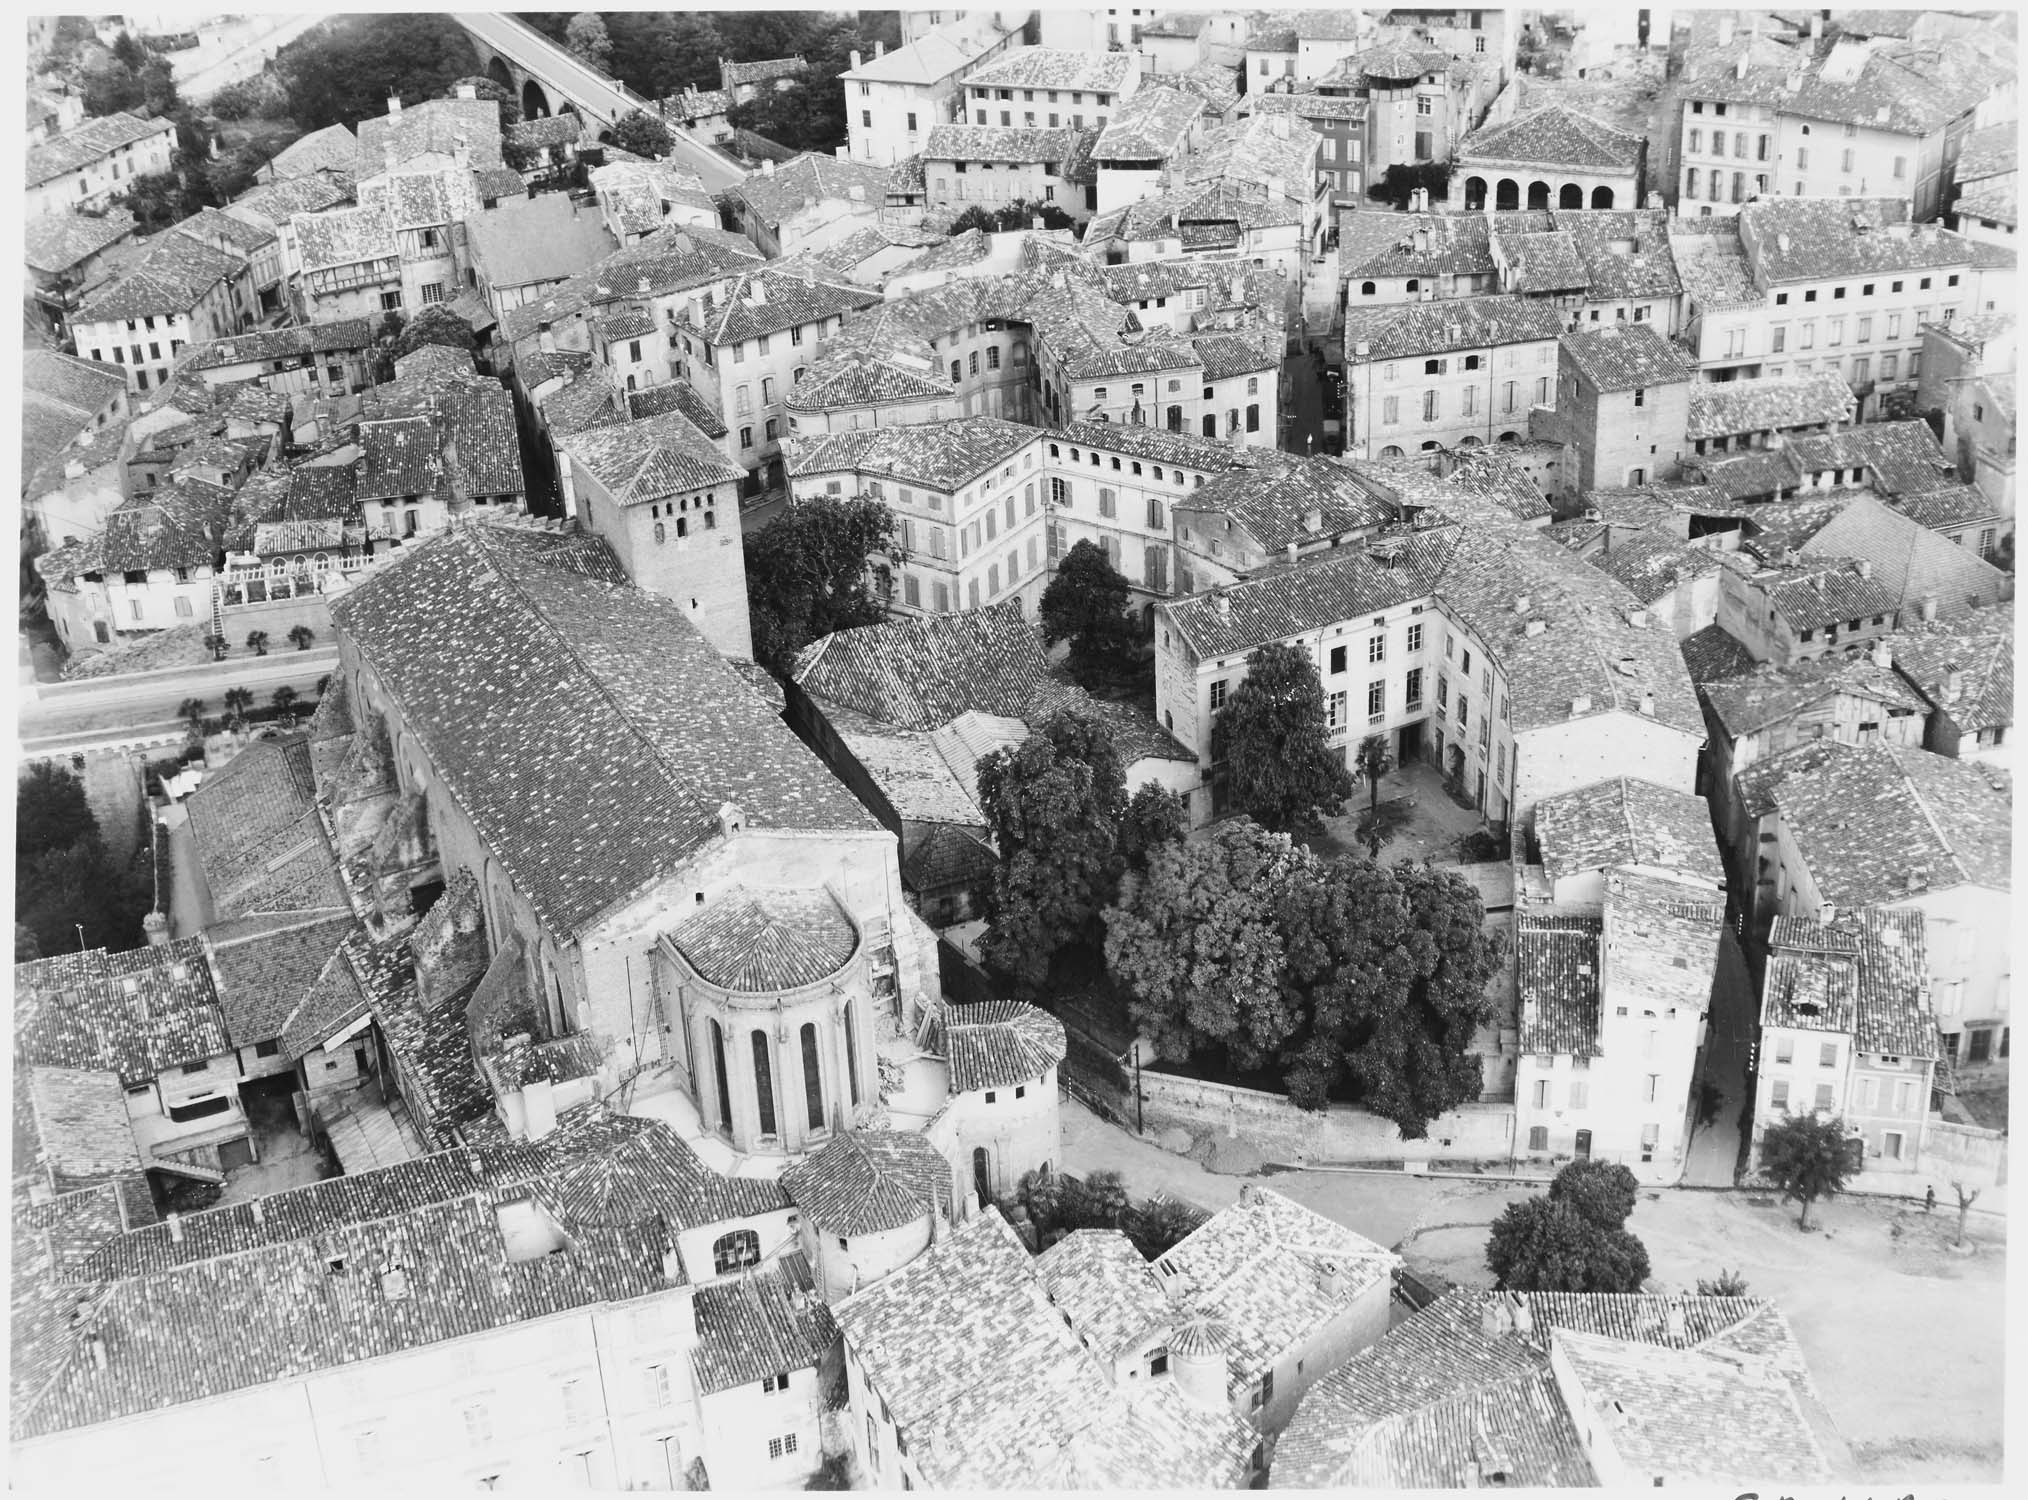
(1390, 451)
(813, 1080)
(763, 1083)
(982, 1175)
(957, 371)
(735, 1251)
(1367, 289)
(661, 533)
(718, 1070)
(1411, 285)
(1430, 446)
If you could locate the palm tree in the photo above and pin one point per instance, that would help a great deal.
(215, 644)
(1373, 761)
(237, 703)
(191, 711)
(258, 641)
(300, 636)
(285, 697)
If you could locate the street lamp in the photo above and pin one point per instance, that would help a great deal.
(1140, 1120)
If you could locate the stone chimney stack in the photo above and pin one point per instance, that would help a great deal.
(855, 61)
(394, 109)
(467, 91)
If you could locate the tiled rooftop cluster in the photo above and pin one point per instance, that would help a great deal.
(85, 143)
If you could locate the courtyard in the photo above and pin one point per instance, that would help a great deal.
(1906, 1339)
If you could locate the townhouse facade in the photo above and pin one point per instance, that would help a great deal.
(993, 167)
(96, 160)
(1050, 88)
(1622, 407)
(1430, 376)
(183, 291)
(893, 100)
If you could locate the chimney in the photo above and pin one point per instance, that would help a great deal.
(1580, 705)
(1223, 607)
(387, 153)
(1954, 685)
(1524, 1319)
(1929, 609)
(155, 927)
(175, 1223)
(1793, 84)
(467, 91)
(1534, 627)
(641, 286)
(855, 62)
(1331, 1279)
(1274, 186)
(394, 109)
(1521, 605)
(768, 168)
(1679, 1332)
(672, 1266)
(1247, 1192)
(461, 153)
(1816, 26)
(260, 1212)
(1725, 31)
(1918, 878)
(1863, 567)
(1883, 658)
(857, 193)
(1739, 66)
(879, 49)
(1648, 704)
(757, 292)
(1495, 1317)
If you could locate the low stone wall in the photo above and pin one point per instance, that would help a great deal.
(1341, 1133)
(278, 617)
(1965, 1153)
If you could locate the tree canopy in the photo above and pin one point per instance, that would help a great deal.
(1019, 215)
(1574, 1239)
(346, 69)
(807, 573)
(642, 134)
(50, 810)
(1271, 738)
(1086, 604)
(434, 324)
(587, 39)
(1806, 1157)
(1197, 940)
(1053, 804)
(64, 878)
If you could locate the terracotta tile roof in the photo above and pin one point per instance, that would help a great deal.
(784, 299)
(1900, 458)
(580, 406)
(1627, 822)
(907, 768)
(1626, 356)
(997, 1044)
(1414, 328)
(859, 377)
(1256, 152)
(137, 1013)
(548, 130)
(1770, 405)
(1183, 449)
(433, 128)
(651, 459)
(1149, 126)
(677, 395)
(648, 1171)
(521, 240)
(86, 142)
(1666, 1404)
(1905, 87)
(1213, 82)
(1909, 562)
(1307, 104)
(762, 71)
(1626, 252)
(1556, 981)
(1814, 239)
(676, 258)
(1983, 656)
(1865, 818)
(590, 792)
(1263, 1267)
(1711, 655)
(1771, 695)
(932, 57)
(871, 1181)
(989, 1388)
(948, 856)
(332, 148)
(766, 1322)
(993, 143)
(776, 196)
(944, 456)
(1650, 564)
(1371, 244)
(1960, 506)
(1341, 585)
(61, 399)
(754, 941)
(344, 237)
(1985, 153)
(263, 974)
(260, 844)
(1545, 260)
(175, 275)
(1107, 1289)
(1554, 137)
(275, 202)
(1355, 1425)
(56, 242)
(82, 1131)
(1055, 68)
(283, 343)
(1661, 938)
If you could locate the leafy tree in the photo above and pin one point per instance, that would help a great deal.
(1399, 182)
(1041, 1193)
(1604, 1192)
(1155, 817)
(1162, 1224)
(1270, 736)
(1724, 1284)
(1086, 604)
(643, 134)
(285, 697)
(1197, 941)
(1053, 803)
(1965, 1201)
(300, 637)
(807, 573)
(1542, 1245)
(1094, 1201)
(586, 37)
(26, 949)
(128, 52)
(434, 324)
(156, 201)
(257, 642)
(1806, 1158)
(78, 885)
(50, 810)
(808, 114)
(1391, 965)
(347, 68)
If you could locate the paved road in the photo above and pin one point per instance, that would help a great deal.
(1302, 382)
(144, 703)
(605, 96)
